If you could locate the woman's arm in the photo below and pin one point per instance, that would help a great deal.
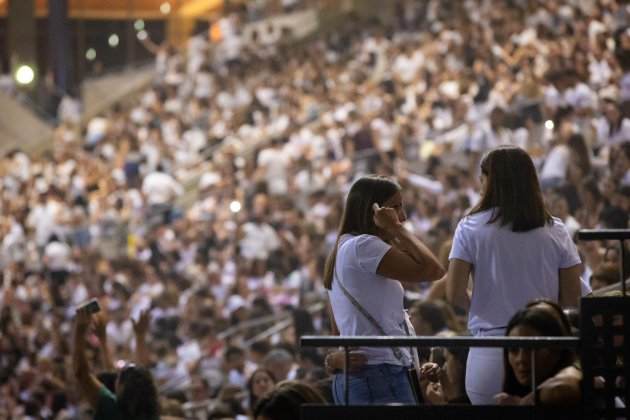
(563, 389)
(88, 384)
(408, 259)
(140, 329)
(570, 286)
(100, 329)
(457, 283)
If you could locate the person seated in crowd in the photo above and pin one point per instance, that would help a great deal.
(136, 395)
(283, 402)
(259, 383)
(556, 370)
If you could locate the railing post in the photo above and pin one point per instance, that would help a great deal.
(346, 375)
(533, 378)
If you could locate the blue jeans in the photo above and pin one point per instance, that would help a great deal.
(375, 384)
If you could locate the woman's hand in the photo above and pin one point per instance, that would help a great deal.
(385, 218)
(82, 321)
(100, 326)
(507, 399)
(337, 360)
(434, 393)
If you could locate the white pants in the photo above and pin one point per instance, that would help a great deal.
(484, 372)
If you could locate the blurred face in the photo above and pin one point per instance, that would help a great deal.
(261, 383)
(521, 359)
(396, 202)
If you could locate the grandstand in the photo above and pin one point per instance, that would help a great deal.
(190, 174)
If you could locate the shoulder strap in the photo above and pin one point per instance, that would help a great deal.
(399, 355)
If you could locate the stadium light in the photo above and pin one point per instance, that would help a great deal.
(235, 206)
(24, 75)
(113, 40)
(138, 25)
(90, 54)
(165, 8)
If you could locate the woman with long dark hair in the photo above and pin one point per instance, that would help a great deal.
(373, 254)
(557, 377)
(516, 252)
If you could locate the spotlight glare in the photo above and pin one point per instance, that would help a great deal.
(142, 35)
(90, 54)
(165, 8)
(235, 206)
(113, 40)
(549, 125)
(138, 25)
(24, 75)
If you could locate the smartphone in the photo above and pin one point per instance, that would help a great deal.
(92, 306)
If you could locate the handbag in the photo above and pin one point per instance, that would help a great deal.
(413, 372)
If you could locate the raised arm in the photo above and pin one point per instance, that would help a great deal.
(89, 386)
(140, 329)
(408, 260)
(100, 329)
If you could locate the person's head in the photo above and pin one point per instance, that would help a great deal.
(279, 361)
(136, 393)
(261, 382)
(511, 189)
(604, 275)
(358, 214)
(283, 403)
(427, 318)
(531, 322)
(234, 358)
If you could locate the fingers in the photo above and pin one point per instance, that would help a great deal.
(376, 207)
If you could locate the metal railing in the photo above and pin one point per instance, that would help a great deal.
(422, 341)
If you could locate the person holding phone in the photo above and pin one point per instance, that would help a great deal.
(136, 394)
(373, 254)
(515, 252)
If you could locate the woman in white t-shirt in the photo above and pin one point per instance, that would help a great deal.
(516, 252)
(374, 253)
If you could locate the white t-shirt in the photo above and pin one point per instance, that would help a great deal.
(557, 163)
(160, 188)
(510, 269)
(358, 258)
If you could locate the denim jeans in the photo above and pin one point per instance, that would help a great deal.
(375, 384)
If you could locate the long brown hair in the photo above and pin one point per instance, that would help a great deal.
(512, 190)
(358, 216)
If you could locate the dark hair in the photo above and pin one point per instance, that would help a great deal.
(431, 313)
(253, 400)
(137, 395)
(557, 309)
(358, 216)
(546, 324)
(283, 403)
(512, 190)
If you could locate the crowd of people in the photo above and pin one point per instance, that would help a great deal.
(214, 198)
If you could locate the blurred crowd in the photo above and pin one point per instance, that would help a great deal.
(211, 200)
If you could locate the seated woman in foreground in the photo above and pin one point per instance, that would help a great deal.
(556, 370)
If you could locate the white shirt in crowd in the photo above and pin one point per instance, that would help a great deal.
(160, 188)
(510, 268)
(358, 258)
(57, 256)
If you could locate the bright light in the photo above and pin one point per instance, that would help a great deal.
(139, 24)
(549, 125)
(142, 35)
(24, 75)
(235, 206)
(113, 40)
(90, 54)
(165, 8)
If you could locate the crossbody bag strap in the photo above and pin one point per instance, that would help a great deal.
(399, 355)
